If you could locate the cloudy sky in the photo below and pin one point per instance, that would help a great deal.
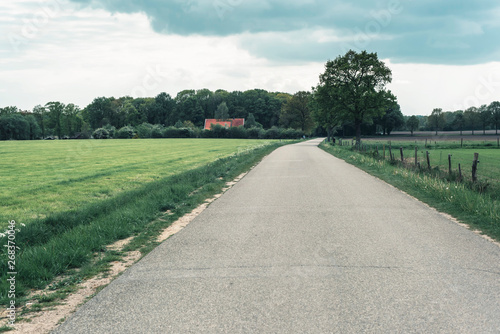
(443, 54)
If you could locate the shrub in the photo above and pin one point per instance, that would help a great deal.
(127, 132)
(272, 133)
(238, 132)
(173, 132)
(101, 133)
(144, 130)
(111, 129)
(254, 133)
(157, 131)
(219, 131)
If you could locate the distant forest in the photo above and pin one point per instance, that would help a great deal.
(267, 115)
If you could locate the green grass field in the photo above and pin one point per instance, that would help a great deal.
(489, 157)
(40, 178)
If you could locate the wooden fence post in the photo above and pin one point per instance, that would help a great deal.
(402, 157)
(449, 164)
(474, 167)
(390, 152)
(428, 160)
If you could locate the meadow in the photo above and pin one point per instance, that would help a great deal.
(70, 199)
(40, 178)
(462, 152)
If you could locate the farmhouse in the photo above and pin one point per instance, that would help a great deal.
(228, 123)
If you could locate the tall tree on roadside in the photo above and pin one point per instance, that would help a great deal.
(436, 119)
(352, 88)
(412, 123)
(494, 108)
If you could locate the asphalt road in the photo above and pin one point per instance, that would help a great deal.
(306, 243)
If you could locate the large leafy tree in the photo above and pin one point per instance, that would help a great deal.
(484, 116)
(296, 112)
(55, 110)
(472, 118)
(459, 120)
(222, 112)
(13, 125)
(436, 119)
(412, 123)
(392, 119)
(352, 88)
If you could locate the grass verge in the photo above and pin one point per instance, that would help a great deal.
(69, 240)
(478, 210)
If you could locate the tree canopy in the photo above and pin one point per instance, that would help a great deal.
(352, 88)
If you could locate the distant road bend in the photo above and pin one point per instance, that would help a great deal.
(307, 243)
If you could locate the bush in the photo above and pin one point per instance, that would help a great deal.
(111, 129)
(101, 133)
(219, 131)
(255, 133)
(173, 132)
(238, 132)
(291, 134)
(127, 132)
(157, 131)
(272, 133)
(144, 130)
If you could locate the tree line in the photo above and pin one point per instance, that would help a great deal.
(349, 100)
(188, 109)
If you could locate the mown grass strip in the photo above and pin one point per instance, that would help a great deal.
(68, 240)
(479, 211)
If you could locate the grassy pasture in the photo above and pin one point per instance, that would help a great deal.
(489, 157)
(40, 178)
(76, 197)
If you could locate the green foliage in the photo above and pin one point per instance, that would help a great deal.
(222, 112)
(127, 132)
(251, 123)
(352, 89)
(157, 131)
(436, 119)
(412, 124)
(296, 112)
(174, 132)
(111, 130)
(144, 130)
(101, 134)
(14, 126)
(255, 133)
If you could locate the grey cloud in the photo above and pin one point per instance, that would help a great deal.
(447, 31)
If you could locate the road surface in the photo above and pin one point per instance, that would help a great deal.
(306, 243)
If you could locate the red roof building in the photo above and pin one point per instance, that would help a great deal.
(229, 123)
